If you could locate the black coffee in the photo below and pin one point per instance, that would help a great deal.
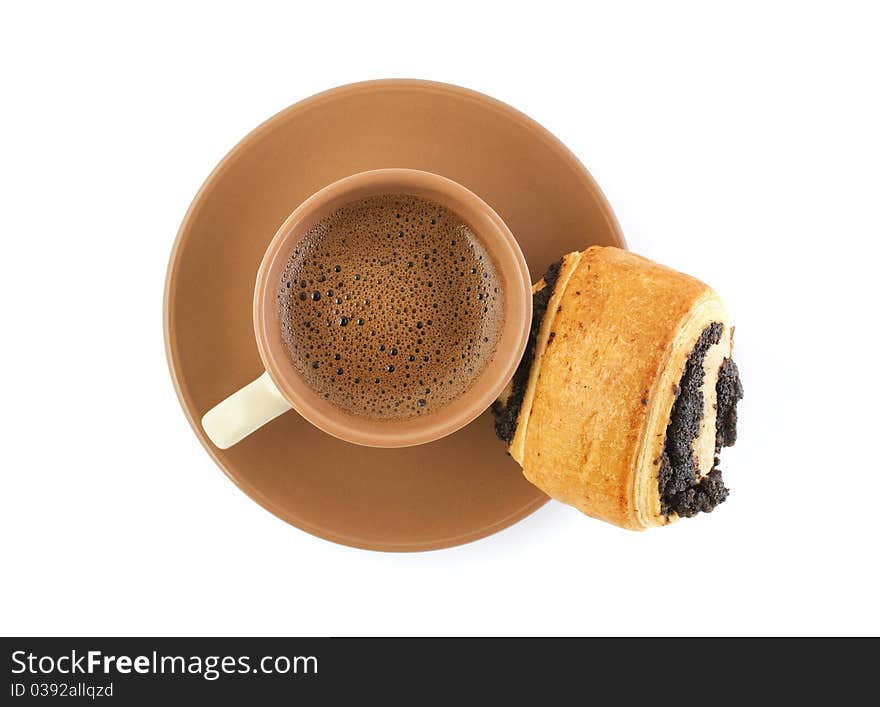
(390, 307)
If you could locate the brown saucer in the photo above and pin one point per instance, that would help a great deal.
(442, 494)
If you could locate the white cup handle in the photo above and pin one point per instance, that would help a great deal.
(243, 412)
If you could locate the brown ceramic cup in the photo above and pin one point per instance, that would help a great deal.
(281, 387)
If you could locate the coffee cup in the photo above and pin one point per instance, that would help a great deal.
(283, 386)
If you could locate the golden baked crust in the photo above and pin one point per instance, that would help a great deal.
(566, 269)
(610, 353)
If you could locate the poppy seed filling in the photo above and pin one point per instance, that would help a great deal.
(507, 414)
(682, 491)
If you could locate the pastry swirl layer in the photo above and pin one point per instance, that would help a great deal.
(629, 392)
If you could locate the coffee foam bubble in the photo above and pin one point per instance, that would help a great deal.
(390, 307)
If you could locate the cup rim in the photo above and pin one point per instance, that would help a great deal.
(495, 237)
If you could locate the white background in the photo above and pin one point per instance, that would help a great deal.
(739, 145)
